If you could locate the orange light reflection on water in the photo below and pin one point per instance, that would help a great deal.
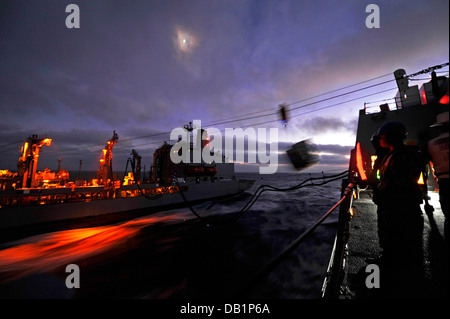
(48, 251)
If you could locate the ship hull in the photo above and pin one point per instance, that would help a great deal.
(21, 221)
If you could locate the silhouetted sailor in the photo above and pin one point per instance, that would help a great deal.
(399, 196)
(380, 152)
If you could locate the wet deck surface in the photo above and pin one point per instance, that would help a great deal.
(363, 249)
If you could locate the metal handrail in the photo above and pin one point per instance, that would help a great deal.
(333, 280)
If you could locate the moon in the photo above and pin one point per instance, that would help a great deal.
(185, 42)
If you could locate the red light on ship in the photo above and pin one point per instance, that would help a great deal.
(424, 97)
(359, 163)
(444, 99)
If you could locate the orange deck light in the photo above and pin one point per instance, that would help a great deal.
(420, 181)
(25, 149)
(46, 142)
(359, 163)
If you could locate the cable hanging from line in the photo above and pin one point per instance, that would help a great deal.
(264, 188)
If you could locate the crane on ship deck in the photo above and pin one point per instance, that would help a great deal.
(28, 160)
(105, 172)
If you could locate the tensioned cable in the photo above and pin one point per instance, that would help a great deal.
(260, 115)
(11, 143)
(385, 100)
(312, 97)
(242, 118)
(325, 107)
(343, 94)
(305, 105)
(252, 124)
(266, 122)
(263, 188)
(229, 121)
(315, 110)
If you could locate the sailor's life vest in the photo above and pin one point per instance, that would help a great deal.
(400, 172)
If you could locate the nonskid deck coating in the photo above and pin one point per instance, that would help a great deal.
(363, 247)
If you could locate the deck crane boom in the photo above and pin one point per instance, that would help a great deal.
(105, 171)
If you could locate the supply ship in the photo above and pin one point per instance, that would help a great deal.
(423, 112)
(34, 202)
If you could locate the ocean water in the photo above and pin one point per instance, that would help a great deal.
(173, 255)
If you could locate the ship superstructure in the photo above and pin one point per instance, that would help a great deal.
(356, 243)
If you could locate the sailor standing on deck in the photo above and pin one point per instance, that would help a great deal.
(380, 152)
(438, 151)
(398, 197)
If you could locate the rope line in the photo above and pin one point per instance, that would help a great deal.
(264, 188)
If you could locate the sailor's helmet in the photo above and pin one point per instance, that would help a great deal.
(393, 130)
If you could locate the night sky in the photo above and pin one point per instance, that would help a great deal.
(146, 67)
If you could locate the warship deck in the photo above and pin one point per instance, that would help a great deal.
(363, 249)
